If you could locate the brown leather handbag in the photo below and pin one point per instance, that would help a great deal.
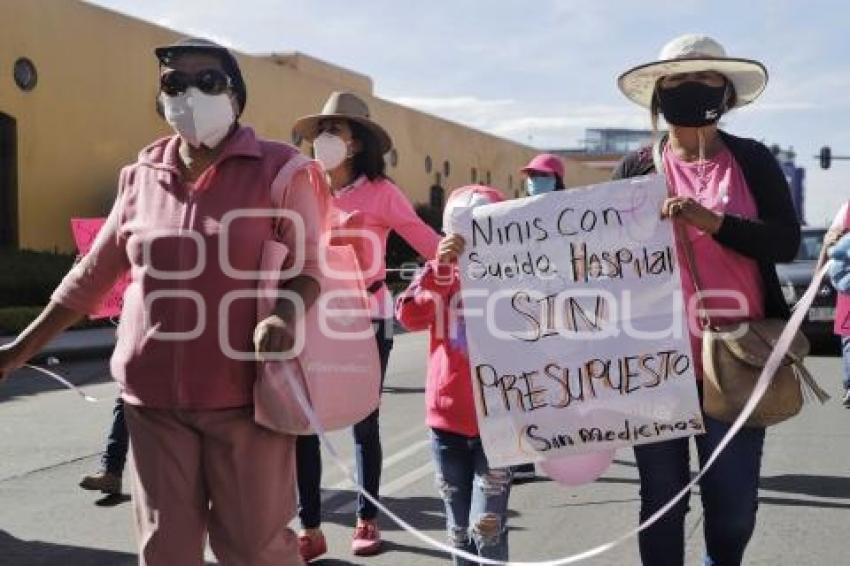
(733, 356)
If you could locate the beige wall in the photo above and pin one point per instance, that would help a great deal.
(93, 109)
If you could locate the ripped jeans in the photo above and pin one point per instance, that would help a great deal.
(475, 495)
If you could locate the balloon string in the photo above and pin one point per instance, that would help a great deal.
(772, 364)
(63, 381)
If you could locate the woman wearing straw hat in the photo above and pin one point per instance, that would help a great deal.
(544, 174)
(351, 147)
(733, 203)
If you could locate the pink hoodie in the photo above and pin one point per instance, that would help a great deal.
(161, 225)
(426, 304)
(429, 303)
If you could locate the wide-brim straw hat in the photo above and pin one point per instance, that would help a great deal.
(693, 53)
(346, 106)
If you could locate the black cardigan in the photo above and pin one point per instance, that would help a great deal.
(773, 237)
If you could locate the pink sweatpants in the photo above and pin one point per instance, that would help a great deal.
(211, 471)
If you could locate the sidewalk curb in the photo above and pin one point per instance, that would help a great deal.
(74, 354)
(75, 345)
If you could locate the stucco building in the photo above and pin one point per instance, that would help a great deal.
(77, 101)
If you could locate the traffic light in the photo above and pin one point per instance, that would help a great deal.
(825, 157)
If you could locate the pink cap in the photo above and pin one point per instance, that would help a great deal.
(470, 195)
(492, 195)
(546, 163)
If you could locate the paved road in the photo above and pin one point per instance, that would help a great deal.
(48, 438)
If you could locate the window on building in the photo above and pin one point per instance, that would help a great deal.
(26, 77)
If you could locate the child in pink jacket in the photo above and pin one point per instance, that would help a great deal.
(475, 495)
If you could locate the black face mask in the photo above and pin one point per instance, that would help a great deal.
(692, 104)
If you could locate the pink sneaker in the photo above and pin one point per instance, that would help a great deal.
(312, 546)
(367, 538)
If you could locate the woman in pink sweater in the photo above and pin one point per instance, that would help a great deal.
(367, 205)
(200, 463)
(475, 495)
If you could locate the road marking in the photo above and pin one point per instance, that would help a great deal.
(415, 431)
(394, 459)
(406, 453)
(394, 486)
(408, 479)
(395, 440)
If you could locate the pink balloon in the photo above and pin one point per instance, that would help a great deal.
(578, 469)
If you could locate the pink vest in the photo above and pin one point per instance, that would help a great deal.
(145, 235)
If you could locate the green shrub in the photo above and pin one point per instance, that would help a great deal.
(27, 278)
(14, 319)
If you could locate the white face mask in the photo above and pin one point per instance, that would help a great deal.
(330, 150)
(200, 119)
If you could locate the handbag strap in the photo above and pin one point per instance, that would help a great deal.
(295, 164)
(803, 374)
(682, 238)
(690, 259)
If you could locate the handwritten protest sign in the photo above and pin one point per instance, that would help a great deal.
(85, 231)
(575, 322)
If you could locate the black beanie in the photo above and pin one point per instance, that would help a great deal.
(167, 52)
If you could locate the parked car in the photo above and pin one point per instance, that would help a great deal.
(795, 278)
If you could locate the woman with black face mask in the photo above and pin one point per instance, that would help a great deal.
(732, 207)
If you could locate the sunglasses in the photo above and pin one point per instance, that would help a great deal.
(208, 81)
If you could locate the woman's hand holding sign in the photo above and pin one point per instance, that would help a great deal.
(693, 213)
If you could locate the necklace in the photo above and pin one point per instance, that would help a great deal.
(702, 175)
(703, 180)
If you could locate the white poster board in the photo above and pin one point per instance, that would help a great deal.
(575, 322)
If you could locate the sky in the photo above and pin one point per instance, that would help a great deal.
(541, 72)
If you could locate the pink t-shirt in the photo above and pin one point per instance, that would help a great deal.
(722, 270)
(376, 207)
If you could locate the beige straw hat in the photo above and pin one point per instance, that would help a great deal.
(689, 54)
(347, 106)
